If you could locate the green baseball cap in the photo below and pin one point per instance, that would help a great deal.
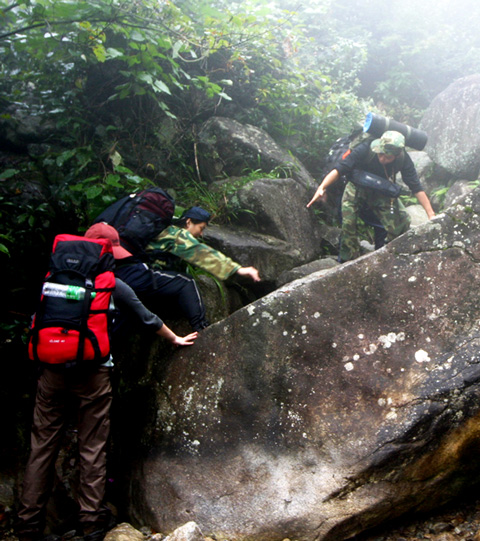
(391, 142)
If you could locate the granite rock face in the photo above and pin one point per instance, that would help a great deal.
(334, 404)
(229, 148)
(452, 122)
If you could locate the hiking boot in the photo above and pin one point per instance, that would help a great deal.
(98, 535)
(96, 531)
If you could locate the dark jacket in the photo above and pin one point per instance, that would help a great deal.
(361, 158)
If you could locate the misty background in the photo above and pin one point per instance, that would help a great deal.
(102, 98)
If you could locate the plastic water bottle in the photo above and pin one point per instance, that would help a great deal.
(73, 293)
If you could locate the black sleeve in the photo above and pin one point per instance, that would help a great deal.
(126, 300)
(409, 175)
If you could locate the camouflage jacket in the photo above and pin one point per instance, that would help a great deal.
(181, 243)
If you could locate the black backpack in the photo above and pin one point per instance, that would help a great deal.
(342, 146)
(139, 217)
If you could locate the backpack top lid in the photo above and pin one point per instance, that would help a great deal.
(105, 245)
(84, 256)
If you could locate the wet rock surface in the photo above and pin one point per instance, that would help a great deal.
(459, 522)
(452, 122)
(228, 147)
(336, 404)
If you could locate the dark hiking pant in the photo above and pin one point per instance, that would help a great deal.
(179, 288)
(379, 232)
(92, 395)
(165, 293)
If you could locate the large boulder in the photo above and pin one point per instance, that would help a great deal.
(23, 127)
(270, 255)
(417, 215)
(334, 404)
(271, 228)
(452, 122)
(277, 208)
(326, 264)
(455, 192)
(229, 148)
(430, 174)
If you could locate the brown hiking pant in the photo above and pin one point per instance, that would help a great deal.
(92, 395)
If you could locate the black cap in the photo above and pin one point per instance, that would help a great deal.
(197, 213)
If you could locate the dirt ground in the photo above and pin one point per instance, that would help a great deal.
(458, 522)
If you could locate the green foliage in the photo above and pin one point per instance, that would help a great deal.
(109, 96)
(138, 78)
(220, 199)
(439, 194)
(408, 199)
(197, 271)
(474, 183)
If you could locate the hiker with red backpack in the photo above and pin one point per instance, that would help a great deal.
(371, 169)
(70, 341)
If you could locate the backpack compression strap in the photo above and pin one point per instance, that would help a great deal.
(87, 300)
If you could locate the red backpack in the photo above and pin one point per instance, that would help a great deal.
(71, 324)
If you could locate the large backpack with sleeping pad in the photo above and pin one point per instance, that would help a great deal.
(343, 147)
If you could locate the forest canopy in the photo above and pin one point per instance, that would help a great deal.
(103, 97)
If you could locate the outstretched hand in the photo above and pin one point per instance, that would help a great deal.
(187, 340)
(251, 272)
(318, 195)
